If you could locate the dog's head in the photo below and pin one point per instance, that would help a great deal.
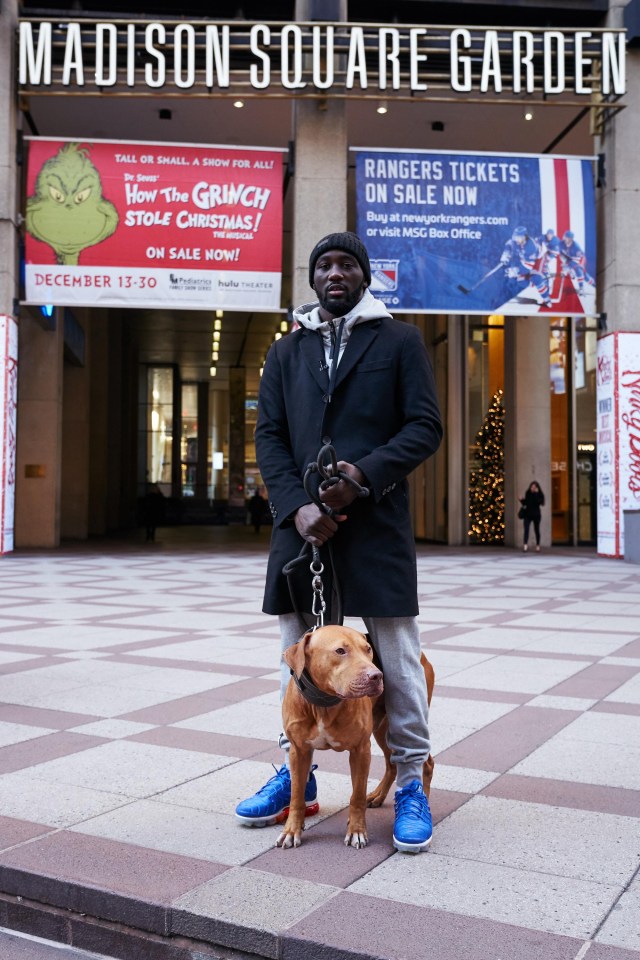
(339, 661)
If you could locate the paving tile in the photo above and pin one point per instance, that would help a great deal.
(35, 716)
(13, 832)
(629, 692)
(614, 765)
(621, 928)
(106, 879)
(266, 720)
(19, 756)
(564, 793)
(596, 681)
(11, 733)
(529, 675)
(601, 951)
(554, 904)
(561, 703)
(383, 928)
(112, 729)
(127, 768)
(246, 909)
(577, 844)
(507, 740)
(183, 830)
(53, 804)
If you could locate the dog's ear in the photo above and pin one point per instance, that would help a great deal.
(295, 655)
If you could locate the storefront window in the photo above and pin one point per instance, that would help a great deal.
(485, 369)
(159, 426)
(189, 439)
(560, 383)
(586, 338)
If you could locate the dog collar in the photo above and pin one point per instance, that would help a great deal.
(313, 694)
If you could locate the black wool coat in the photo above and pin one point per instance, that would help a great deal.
(384, 418)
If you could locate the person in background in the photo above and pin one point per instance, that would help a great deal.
(530, 513)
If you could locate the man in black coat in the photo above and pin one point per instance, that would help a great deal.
(354, 377)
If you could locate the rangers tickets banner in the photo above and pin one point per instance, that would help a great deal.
(618, 436)
(153, 224)
(8, 405)
(478, 232)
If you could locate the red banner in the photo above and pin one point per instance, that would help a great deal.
(145, 224)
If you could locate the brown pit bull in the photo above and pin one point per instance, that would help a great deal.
(339, 662)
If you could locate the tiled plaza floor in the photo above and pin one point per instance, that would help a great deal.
(139, 703)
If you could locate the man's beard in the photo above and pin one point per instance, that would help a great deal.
(346, 303)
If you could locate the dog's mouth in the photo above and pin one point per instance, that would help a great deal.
(366, 687)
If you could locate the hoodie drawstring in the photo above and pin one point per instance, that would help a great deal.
(334, 356)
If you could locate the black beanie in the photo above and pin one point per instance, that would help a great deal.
(350, 242)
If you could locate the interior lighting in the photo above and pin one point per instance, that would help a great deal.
(219, 314)
(216, 336)
(214, 355)
(284, 326)
(382, 107)
(238, 104)
(528, 115)
(278, 336)
(212, 371)
(217, 324)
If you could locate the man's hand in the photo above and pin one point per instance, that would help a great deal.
(314, 525)
(340, 495)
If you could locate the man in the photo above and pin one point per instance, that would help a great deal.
(355, 377)
(574, 261)
(520, 258)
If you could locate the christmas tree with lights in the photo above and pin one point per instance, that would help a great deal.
(486, 480)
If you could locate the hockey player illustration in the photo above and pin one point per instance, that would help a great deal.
(520, 259)
(574, 262)
(549, 244)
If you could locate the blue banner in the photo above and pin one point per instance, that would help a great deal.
(478, 233)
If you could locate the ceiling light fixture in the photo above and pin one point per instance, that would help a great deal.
(212, 371)
(284, 326)
(217, 324)
(219, 314)
(528, 115)
(382, 107)
(238, 104)
(216, 336)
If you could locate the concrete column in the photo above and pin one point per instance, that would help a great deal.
(99, 438)
(321, 165)
(237, 393)
(39, 448)
(527, 419)
(456, 433)
(76, 432)
(8, 166)
(619, 202)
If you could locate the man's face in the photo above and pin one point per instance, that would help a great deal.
(339, 282)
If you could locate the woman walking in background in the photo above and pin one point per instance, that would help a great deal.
(530, 512)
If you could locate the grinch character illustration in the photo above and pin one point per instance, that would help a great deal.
(67, 210)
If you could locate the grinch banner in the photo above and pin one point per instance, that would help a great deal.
(112, 223)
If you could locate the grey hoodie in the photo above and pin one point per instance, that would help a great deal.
(367, 308)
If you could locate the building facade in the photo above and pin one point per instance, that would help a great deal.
(117, 399)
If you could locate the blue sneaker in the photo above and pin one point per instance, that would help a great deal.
(271, 803)
(412, 828)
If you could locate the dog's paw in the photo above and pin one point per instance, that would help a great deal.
(290, 837)
(357, 840)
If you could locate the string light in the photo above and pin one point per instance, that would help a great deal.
(217, 324)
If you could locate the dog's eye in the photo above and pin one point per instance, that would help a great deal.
(369, 650)
(341, 651)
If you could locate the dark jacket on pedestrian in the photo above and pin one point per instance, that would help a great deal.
(383, 418)
(531, 502)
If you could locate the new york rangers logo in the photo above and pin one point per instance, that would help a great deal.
(384, 275)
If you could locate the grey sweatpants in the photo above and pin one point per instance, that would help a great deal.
(397, 643)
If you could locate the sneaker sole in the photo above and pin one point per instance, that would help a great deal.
(310, 811)
(411, 847)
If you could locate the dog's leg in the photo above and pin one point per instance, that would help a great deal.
(299, 765)
(427, 773)
(359, 761)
